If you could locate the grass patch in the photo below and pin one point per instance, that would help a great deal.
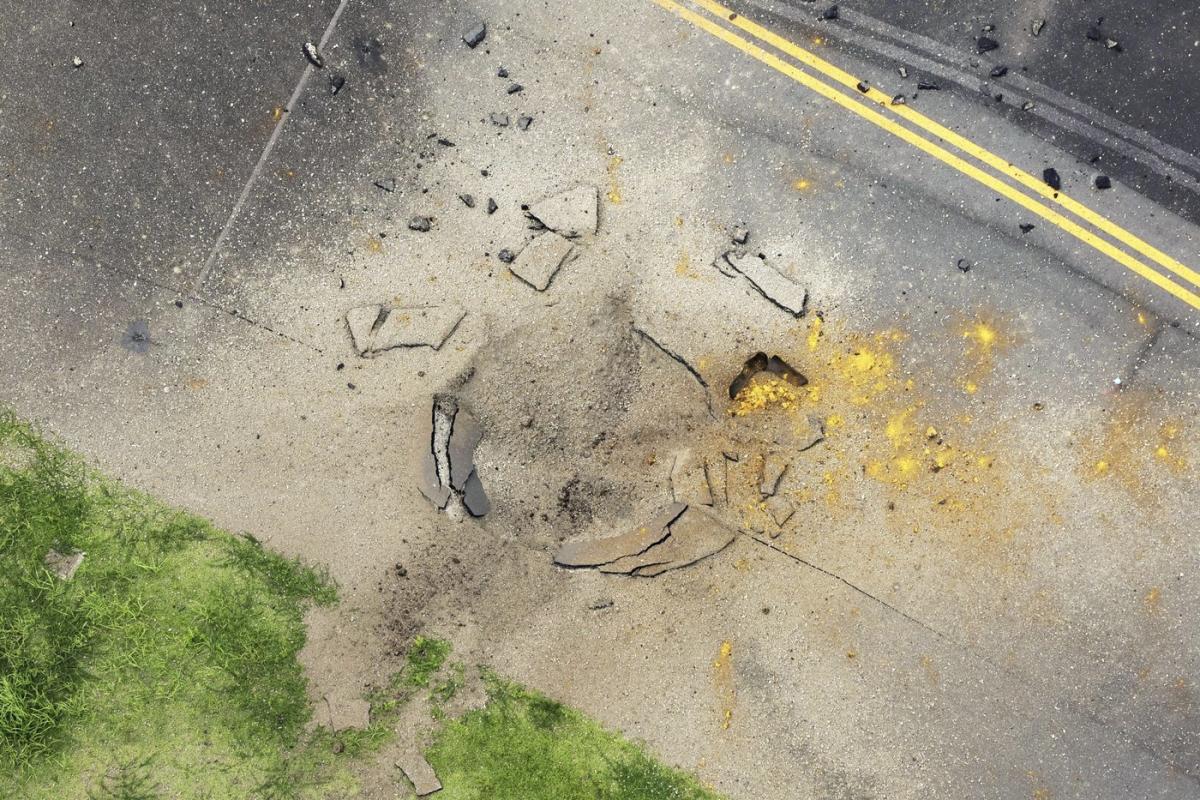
(166, 667)
(525, 746)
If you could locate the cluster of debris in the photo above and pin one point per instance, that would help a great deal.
(560, 220)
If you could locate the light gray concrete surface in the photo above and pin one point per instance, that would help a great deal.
(1014, 625)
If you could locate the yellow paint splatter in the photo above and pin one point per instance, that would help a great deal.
(277, 113)
(1153, 600)
(374, 245)
(801, 184)
(728, 158)
(723, 678)
(763, 394)
(814, 333)
(683, 267)
(614, 188)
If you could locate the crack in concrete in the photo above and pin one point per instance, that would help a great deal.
(695, 373)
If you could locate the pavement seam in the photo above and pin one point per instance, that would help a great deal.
(210, 262)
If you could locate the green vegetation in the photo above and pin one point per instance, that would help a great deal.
(524, 746)
(166, 667)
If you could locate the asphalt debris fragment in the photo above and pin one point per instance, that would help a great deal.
(1036, 27)
(571, 213)
(386, 184)
(314, 55)
(540, 260)
(1051, 177)
(899, 100)
(694, 535)
(985, 44)
(475, 35)
(506, 255)
(515, 88)
(523, 123)
(1027, 105)
(467, 200)
(422, 777)
(740, 235)
(759, 363)
(491, 206)
(999, 71)
(830, 13)
(777, 287)
(420, 224)
(928, 86)
(375, 329)
(1102, 182)
(1026, 227)
(336, 82)
(499, 120)
(596, 552)
(502, 73)
(447, 459)
(63, 565)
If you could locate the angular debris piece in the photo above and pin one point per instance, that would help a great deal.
(506, 256)
(76, 62)
(778, 288)
(899, 100)
(420, 224)
(1026, 227)
(964, 265)
(928, 86)
(515, 88)
(500, 120)
(502, 73)
(595, 552)
(429, 483)
(1027, 105)
(63, 565)
(377, 328)
(474, 497)
(1102, 182)
(715, 472)
(759, 362)
(695, 535)
(1050, 176)
(571, 213)
(386, 184)
(999, 71)
(465, 436)
(740, 235)
(491, 206)
(346, 714)
(781, 510)
(903, 71)
(473, 37)
(523, 123)
(336, 82)
(689, 481)
(863, 87)
(985, 44)
(539, 262)
(1036, 27)
(420, 774)
(774, 466)
(830, 13)
(314, 55)
(467, 200)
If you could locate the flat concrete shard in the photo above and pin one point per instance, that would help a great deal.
(420, 775)
(63, 565)
(694, 535)
(541, 259)
(596, 552)
(378, 328)
(446, 458)
(429, 481)
(572, 213)
(689, 480)
(777, 287)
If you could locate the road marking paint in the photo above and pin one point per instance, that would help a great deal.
(930, 148)
(962, 143)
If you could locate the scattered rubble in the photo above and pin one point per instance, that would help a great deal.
(420, 224)
(314, 55)
(377, 328)
(540, 260)
(571, 213)
(601, 604)
(447, 458)
(775, 286)
(63, 565)
(759, 362)
(473, 37)
(1050, 176)
(348, 713)
(422, 777)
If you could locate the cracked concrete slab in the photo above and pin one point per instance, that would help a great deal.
(541, 259)
(377, 328)
(777, 287)
(595, 552)
(695, 535)
(420, 774)
(572, 213)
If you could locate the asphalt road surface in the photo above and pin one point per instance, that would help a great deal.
(987, 588)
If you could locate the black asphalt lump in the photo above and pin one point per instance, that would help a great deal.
(985, 44)
(475, 35)
(420, 224)
(314, 55)
(1050, 176)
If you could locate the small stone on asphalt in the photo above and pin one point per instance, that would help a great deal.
(336, 82)
(473, 37)
(1102, 182)
(1036, 28)
(1050, 176)
(999, 71)
(506, 256)
(420, 224)
(467, 200)
(516, 87)
(830, 13)
(500, 120)
(524, 122)
(314, 55)
(985, 44)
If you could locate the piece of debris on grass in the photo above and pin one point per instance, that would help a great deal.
(63, 565)
(378, 328)
(475, 35)
(1051, 177)
(348, 713)
(597, 552)
(1102, 182)
(780, 289)
(314, 55)
(422, 777)
(540, 260)
(571, 213)
(420, 224)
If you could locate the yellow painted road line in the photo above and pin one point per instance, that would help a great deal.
(966, 145)
(943, 155)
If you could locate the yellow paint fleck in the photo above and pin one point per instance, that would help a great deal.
(801, 184)
(683, 267)
(723, 678)
(1153, 600)
(814, 333)
(614, 189)
(1141, 318)
(277, 113)
(970, 387)
(728, 158)
(374, 245)
(1101, 467)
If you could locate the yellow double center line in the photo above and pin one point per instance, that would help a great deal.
(1183, 290)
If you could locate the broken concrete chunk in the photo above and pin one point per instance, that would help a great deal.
(571, 213)
(774, 465)
(429, 483)
(689, 481)
(524, 122)
(375, 329)
(1036, 27)
(420, 224)
(985, 44)
(420, 774)
(595, 552)
(695, 535)
(780, 289)
(539, 262)
(780, 509)
(474, 497)
(465, 436)
(314, 55)
(63, 565)
(346, 714)
(500, 120)
(740, 235)
(473, 37)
